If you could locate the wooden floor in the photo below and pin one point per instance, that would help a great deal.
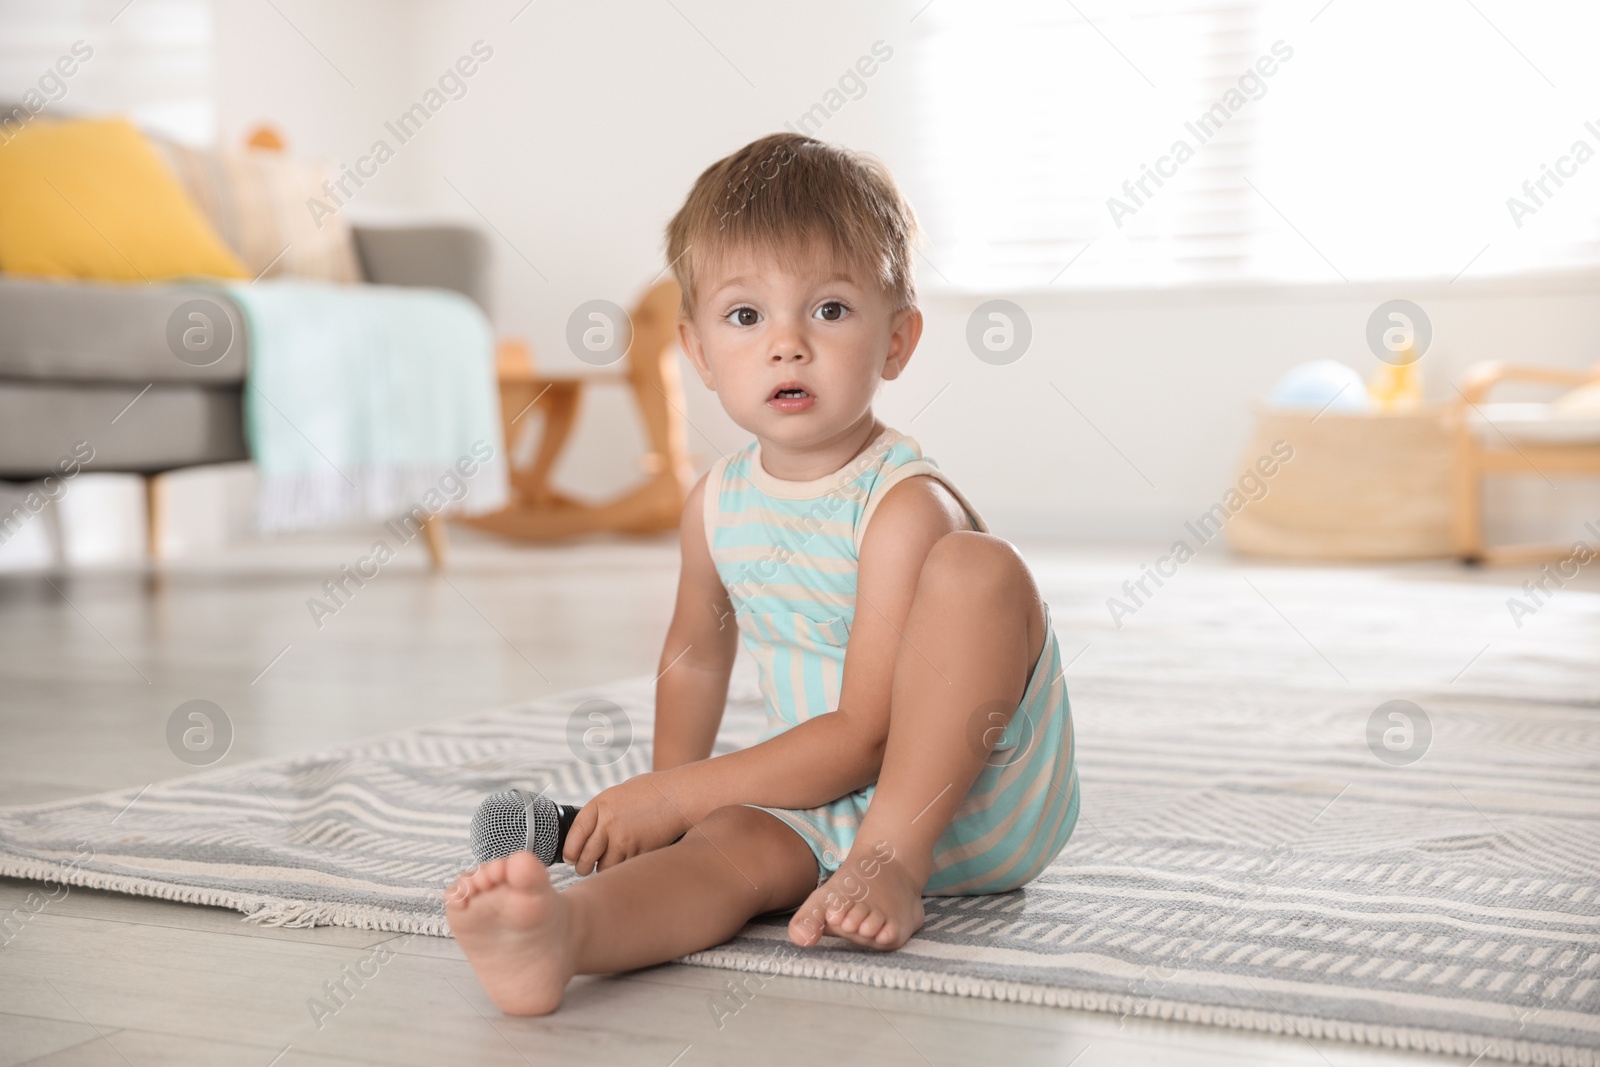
(92, 665)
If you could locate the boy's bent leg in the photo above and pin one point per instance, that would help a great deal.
(526, 940)
(975, 630)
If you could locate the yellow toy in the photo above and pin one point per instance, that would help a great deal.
(1396, 388)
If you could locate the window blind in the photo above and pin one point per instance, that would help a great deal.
(1174, 142)
(151, 60)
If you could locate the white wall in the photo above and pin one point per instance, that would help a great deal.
(1170, 378)
(581, 135)
(328, 76)
(592, 121)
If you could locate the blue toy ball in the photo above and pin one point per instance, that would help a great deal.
(1323, 384)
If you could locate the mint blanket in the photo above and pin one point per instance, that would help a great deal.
(364, 402)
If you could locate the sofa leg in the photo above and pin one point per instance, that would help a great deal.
(433, 536)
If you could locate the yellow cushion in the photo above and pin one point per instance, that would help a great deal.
(91, 199)
(256, 201)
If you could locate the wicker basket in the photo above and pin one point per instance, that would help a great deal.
(1357, 487)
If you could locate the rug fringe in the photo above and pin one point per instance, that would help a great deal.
(1402, 1037)
(261, 910)
(285, 912)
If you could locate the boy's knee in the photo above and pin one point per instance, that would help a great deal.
(756, 841)
(727, 815)
(732, 819)
(967, 561)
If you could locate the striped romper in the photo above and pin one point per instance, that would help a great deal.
(787, 552)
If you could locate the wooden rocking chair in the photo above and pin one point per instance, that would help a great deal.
(540, 512)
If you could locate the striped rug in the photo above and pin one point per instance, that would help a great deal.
(1256, 848)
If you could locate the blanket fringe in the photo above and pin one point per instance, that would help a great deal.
(307, 499)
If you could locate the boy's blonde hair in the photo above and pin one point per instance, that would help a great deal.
(786, 192)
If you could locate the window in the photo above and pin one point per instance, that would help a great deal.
(151, 60)
(1163, 143)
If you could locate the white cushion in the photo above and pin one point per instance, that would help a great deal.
(1540, 424)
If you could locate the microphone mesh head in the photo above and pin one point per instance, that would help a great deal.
(513, 821)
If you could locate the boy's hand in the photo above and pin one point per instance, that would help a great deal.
(622, 822)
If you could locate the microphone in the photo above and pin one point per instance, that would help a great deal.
(515, 821)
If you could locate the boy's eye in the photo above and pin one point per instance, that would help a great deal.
(744, 316)
(832, 311)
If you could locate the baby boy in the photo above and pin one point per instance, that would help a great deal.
(918, 739)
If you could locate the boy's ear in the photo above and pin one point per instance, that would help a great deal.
(689, 338)
(907, 331)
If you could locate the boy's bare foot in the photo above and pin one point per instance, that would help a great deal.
(514, 928)
(874, 900)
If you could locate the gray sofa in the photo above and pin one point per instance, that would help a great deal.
(73, 355)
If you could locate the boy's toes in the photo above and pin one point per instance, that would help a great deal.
(893, 935)
(806, 929)
(472, 882)
(488, 875)
(871, 925)
(851, 921)
(860, 940)
(524, 871)
(460, 891)
(811, 918)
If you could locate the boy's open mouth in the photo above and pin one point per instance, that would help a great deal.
(791, 396)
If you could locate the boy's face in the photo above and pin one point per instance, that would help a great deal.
(795, 350)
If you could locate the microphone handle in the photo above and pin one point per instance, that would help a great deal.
(565, 813)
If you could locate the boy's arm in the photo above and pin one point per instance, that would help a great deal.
(697, 658)
(827, 756)
(809, 764)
